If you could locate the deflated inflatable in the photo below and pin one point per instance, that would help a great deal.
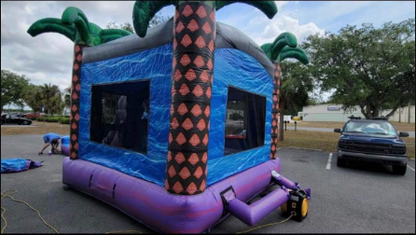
(18, 165)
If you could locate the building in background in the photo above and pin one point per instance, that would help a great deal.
(335, 113)
(402, 115)
(328, 113)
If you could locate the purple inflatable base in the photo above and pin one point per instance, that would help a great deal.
(65, 150)
(163, 212)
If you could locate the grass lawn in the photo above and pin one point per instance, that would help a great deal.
(300, 139)
(37, 128)
(399, 126)
(324, 141)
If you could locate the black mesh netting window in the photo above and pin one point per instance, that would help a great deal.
(245, 121)
(119, 115)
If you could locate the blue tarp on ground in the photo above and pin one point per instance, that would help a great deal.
(233, 68)
(18, 164)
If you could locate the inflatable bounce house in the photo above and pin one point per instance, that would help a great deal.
(65, 145)
(177, 126)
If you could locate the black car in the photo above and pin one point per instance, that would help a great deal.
(14, 119)
(236, 116)
(373, 141)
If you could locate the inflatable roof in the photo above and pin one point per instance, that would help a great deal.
(227, 37)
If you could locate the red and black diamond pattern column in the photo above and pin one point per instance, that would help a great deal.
(75, 101)
(275, 112)
(192, 76)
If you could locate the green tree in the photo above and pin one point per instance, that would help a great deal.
(67, 97)
(295, 89)
(126, 26)
(32, 97)
(51, 98)
(369, 67)
(13, 87)
(155, 21)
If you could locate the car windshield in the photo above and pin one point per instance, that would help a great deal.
(373, 128)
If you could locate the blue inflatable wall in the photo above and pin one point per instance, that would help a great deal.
(232, 68)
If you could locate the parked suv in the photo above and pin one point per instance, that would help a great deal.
(373, 141)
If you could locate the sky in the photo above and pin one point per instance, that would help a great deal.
(47, 58)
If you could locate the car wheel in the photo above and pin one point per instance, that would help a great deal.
(341, 162)
(25, 123)
(400, 170)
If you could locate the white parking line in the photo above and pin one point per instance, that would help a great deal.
(328, 166)
(411, 168)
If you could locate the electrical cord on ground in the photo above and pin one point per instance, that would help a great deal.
(266, 225)
(8, 194)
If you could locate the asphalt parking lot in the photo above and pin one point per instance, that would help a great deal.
(361, 198)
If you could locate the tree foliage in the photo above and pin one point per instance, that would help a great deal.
(155, 21)
(296, 85)
(126, 26)
(370, 67)
(32, 98)
(51, 98)
(67, 97)
(47, 95)
(12, 88)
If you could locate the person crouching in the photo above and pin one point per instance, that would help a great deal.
(53, 140)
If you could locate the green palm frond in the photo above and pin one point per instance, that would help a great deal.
(52, 25)
(267, 49)
(284, 47)
(144, 11)
(283, 40)
(108, 35)
(293, 53)
(269, 8)
(74, 16)
(75, 26)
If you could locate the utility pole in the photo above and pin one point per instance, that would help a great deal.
(400, 115)
(410, 115)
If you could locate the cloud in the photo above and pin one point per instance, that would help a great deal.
(48, 57)
(279, 4)
(281, 24)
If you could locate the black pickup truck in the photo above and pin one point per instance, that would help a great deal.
(373, 141)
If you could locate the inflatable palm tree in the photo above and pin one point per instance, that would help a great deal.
(75, 26)
(283, 47)
(194, 33)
